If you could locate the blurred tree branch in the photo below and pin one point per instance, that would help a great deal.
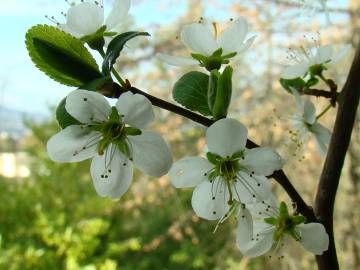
(330, 177)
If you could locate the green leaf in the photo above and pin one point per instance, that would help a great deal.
(223, 94)
(97, 84)
(63, 117)
(61, 56)
(191, 92)
(115, 47)
(297, 84)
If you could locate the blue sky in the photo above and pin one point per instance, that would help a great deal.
(22, 86)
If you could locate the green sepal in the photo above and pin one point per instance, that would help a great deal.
(298, 219)
(212, 87)
(283, 210)
(297, 84)
(212, 158)
(96, 41)
(63, 118)
(114, 115)
(124, 148)
(201, 58)
(271, 220)
(115, 47)
(317, 70)
(238, 154)
(61, 56)
(191, 92)
(312, 81)
(218, 53)
(229, 55)
(223, 94)
(131, 131)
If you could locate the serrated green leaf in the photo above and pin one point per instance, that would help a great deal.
(115, 47)
(61, 56)
(63, 117)
(191, 92)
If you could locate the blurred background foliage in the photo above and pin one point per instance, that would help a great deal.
(53, 219)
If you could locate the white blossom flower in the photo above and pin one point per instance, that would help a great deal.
(274, 227)
(209, 48)
(317, 59)
(113, 137)
(305, 122)
(230, 174)
(87, 17)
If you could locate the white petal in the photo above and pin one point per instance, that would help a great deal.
(262, 161)
(210, 200)
(68, 145)
(226, 136)
(87, 106)
(249, 189)
(309, 112)
(68, 30)
(189, 172)
(244, 231)
(151, 153)
(314, 237)
(260, 210)
(177, 60)
(231, 40)
(111, 173)
(136, 109)
(199, 38)
(260, 243)
(85, 18)
(246, 45)
(118, 13)
(341, 54)
(322, 135)
(323, 54)
(295, 71)
(298, 101)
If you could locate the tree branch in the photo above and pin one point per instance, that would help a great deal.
(330, 177)
(279, 176)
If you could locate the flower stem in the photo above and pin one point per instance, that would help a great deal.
(324, 112)
(114, 72)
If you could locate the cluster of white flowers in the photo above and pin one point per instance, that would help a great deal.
(231, 179)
